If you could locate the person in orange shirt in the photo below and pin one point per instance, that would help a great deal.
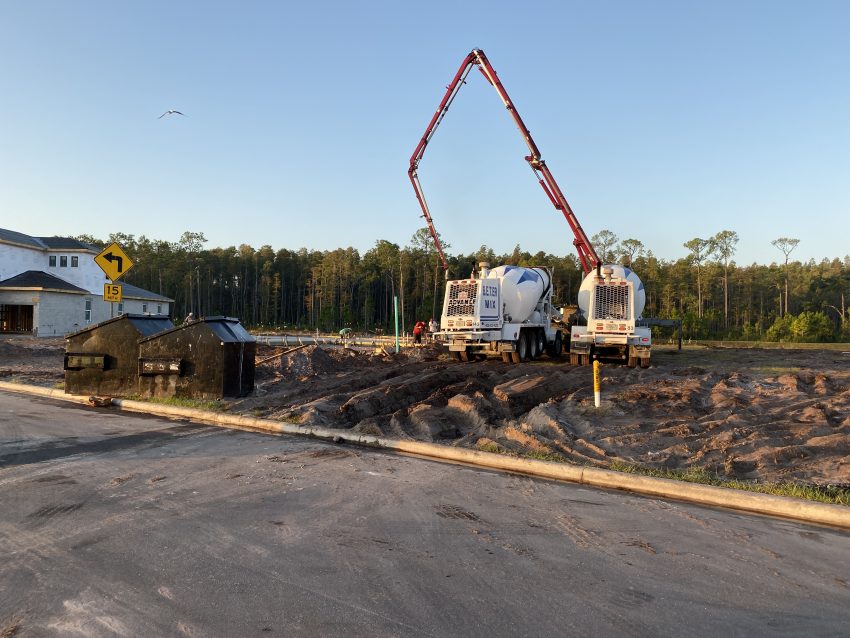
(418, 329)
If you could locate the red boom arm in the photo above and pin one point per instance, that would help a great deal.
(587, 255)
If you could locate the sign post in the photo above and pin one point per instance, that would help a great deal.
(115, 263)
(597, 389)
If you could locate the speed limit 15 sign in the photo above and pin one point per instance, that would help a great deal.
(112, 292)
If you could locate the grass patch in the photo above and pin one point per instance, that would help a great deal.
(495, 448)
(775, 371)
(833, 495)
(196, 404)
(294, 419)
(544, 456)
(775, 345)
(830, 494)
(590, 410)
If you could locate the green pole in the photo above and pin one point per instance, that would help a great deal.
(395, 310)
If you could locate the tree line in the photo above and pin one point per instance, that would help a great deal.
(284, 289)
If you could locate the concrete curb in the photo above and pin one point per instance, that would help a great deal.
(782, 506)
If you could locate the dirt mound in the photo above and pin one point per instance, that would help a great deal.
(427, 352)
(32, 360)
(765, 415)
(24, 347)
(308, 361)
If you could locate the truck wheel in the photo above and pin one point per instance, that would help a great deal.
(464, 356)
(541, 341)
(633, 361)
(506, 357)
(574, 360)
(554, 350)
(533, 345)
(515, 356)
(455, 355)
(585, 359)
(522, 345)
(644, 362)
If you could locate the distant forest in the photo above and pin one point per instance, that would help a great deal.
(715, 297)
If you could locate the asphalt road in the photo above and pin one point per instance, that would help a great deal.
(117, 525)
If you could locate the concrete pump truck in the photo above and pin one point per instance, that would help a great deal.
(508, 310)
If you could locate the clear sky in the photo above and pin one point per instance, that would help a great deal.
(661, 121)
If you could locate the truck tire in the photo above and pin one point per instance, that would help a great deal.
(522, 345)
(633, 361)
(506, 357)
(574, 360)
(584, 359)
(515, 356)
(464, 356)
(554, 349)
(644, 362)
(533, 344)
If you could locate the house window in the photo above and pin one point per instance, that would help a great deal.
(75, 262)
(63, 261)
(52, 261)
(120, 307)
(159, 309)
(144, 308)
(88, 310)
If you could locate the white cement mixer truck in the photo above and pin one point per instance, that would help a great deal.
(503, 311)
(610, 301)
(508, 310)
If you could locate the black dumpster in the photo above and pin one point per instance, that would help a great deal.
(103, 359)
(210, 358)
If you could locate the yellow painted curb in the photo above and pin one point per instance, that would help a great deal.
(783, 506)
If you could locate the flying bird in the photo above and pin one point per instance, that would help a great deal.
(170, 112)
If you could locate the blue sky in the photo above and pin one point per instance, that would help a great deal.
(661, 121)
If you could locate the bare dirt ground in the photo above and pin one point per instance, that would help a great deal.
(775, 415)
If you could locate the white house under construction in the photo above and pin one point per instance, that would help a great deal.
(50, 286)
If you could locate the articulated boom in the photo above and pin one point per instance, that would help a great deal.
(587, 255)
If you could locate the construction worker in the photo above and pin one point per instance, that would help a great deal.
(418, 329)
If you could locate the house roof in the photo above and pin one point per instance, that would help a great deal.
(36, 279)
(65, 243)
(19, 238)
(44, 243)
(134, 292)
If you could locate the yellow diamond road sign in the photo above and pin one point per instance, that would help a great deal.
(114, 261)
(112, 292)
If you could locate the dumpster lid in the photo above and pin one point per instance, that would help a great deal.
(145, 325)
(227, 329)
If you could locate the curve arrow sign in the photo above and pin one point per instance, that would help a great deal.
(114, 262)
(110, 258)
